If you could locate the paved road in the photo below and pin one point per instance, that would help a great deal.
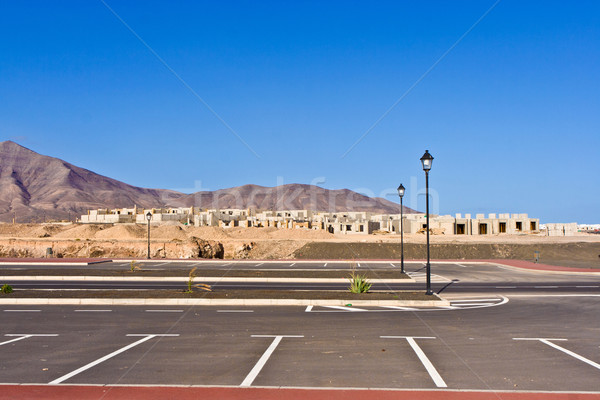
(505, 329)
(519, 343)
(447, 278)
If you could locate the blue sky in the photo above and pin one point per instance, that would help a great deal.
(511, 112)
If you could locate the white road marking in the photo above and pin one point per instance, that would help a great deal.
(358, 265)
(236, 311)
(292, 264)
(587, 286)
(325, 265)
(159, 265)
(177, 311)
(346, 308)
(93, 310)
(545, 287)
(469, 300)
(23, 336)
(106, 357)
(506, 287)
(22, 310)
(393, 265)
(264, 358)
(569, 352)
(460, 265)
(401, 308)
(258, 265)
(437, 379)
(308, 309)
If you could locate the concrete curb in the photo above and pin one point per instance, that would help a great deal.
(53, 263)
(185, 279)
(226, 302)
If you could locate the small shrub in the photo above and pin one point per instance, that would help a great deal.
(6, 289)
(134, 266)
(359, 283)
(191, 285)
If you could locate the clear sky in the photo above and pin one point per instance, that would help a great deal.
(195, 95)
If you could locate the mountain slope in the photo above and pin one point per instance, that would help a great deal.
(34, 187)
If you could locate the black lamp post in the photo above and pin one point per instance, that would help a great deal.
(149, 217)
(401, 194)
(427, 160)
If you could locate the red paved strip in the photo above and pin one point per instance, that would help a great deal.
(51, 392)
(54, 260)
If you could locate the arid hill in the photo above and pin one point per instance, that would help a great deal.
(34, 187)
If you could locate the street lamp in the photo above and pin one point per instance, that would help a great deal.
(401, 194)
(149, 217)
(427, 160)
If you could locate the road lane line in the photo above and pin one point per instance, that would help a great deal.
(167, 311)
(236, 311)
(264, 358)
(400, 308)
(460, 265)
(437, 379)
(506, 287)
(93, 310)
(545, 287)
(22, 310)
(102, 359)
(587, 286)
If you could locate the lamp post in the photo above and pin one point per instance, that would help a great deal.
(149, 217)
(426, 161)
(401, 194)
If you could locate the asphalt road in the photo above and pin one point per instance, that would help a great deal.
(520, 343)
(506, 329)
(447, 278)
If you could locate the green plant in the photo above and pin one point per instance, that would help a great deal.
(191, 285)
(359, 283)
(6, 289)
(134, 265)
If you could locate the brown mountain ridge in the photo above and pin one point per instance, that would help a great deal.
(35, 188)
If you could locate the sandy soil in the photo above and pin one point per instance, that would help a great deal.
(273, 243)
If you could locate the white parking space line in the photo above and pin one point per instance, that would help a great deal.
(93, 310)
(106, 357)
(346, 308)
(506, 287)
(548, 342)
(21, 336)
(166, 311)
(587, 286)
(469, 300)
(400, 308)
(460, 265)
(393, 265)
(22, 310)
(308, 309)
(437, 379)
(292, 264)
(325, 265)
(160, 265)
(265, 357)
(258, 265)
(236, 311)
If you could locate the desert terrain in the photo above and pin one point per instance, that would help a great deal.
(69, 240)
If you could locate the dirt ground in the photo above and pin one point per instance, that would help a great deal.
(180, 241)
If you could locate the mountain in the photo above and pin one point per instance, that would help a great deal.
(34, 187)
